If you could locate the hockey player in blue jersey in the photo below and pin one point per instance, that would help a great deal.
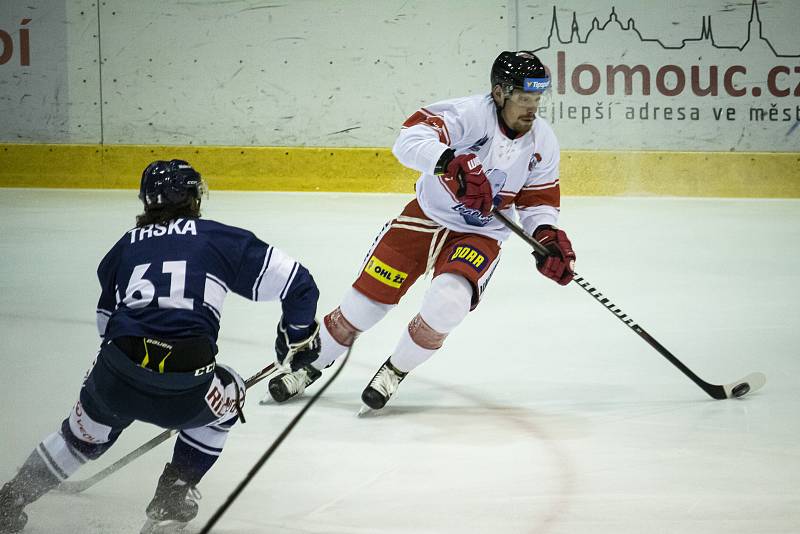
(163, 285)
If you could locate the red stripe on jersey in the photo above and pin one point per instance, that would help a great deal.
(541, 186)
(505, 202)
(546, 196)
(427, 118)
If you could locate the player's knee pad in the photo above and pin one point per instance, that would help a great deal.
(447, 302)
(361, 311)
(340, 329)
(423, 335)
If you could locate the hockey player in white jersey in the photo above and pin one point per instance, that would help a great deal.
(163, 285)
(475, 154)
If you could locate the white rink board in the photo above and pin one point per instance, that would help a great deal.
(347, 73)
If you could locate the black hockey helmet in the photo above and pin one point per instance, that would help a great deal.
(170, 183)
(520, 69)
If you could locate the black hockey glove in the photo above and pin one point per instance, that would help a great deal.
(297, 353)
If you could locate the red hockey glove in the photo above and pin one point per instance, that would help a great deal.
(560, 264)
(464, 176)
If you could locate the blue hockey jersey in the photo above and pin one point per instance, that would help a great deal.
(170, 281)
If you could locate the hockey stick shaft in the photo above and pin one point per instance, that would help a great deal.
(275, 444)
(82, 485)
(715, 391)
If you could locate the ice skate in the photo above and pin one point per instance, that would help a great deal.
(382, 386)
(290, 384)
(12, 518)
(173, 505)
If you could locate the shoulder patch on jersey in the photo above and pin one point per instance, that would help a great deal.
(423, 116)
(535, 158)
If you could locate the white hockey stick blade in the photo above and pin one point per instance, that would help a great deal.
(748, 384)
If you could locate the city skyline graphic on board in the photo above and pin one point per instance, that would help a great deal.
(754, 33)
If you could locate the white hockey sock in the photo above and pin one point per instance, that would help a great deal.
(359, 311)
(407, 355)
(330, 349)
(61, 459)
(446, 304)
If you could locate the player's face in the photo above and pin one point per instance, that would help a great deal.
(520, 109)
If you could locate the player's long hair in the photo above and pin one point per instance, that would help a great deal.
(165, 214)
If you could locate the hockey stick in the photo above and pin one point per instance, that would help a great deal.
(78, 486)
(751, 382)
(275, 444)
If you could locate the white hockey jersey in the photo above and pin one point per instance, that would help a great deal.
(523, 171)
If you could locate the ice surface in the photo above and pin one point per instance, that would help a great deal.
(541, 414)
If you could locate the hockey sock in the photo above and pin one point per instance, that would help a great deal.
(361, 311)
(445, 305)
(447, 302)
(330, 349)
(35, 478)
(62, 453)
(407, 354)
(52, 462)
(197, 449)
(357, 313)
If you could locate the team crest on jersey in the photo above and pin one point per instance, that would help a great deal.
(535, 158)
(497, 178)
(478, 144)
(472, 216)
(469, 255)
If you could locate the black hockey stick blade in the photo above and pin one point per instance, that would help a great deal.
(78, 486)
(751, 382)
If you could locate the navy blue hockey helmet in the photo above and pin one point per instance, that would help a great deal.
(170, 183)
(520, 69)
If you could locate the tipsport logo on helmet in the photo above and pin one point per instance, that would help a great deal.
(536, 85)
